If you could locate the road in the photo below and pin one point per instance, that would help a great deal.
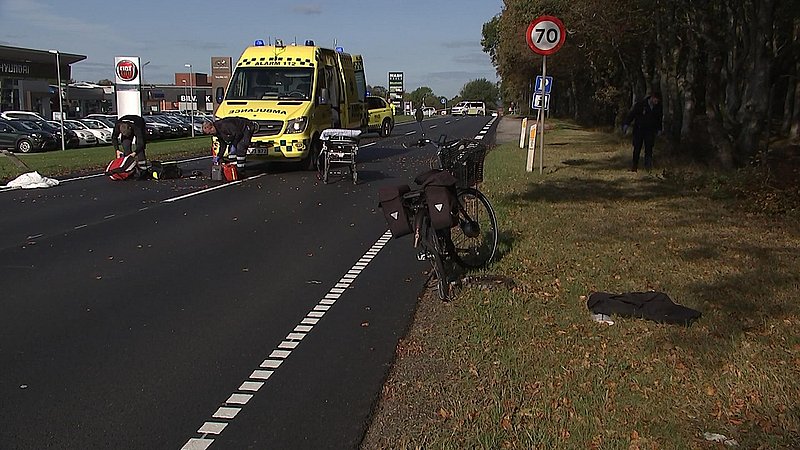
(192, 314)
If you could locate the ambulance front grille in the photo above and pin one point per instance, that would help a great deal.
(268, 127)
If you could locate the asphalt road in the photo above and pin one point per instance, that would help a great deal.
(193, 314)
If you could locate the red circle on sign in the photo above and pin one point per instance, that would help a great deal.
(546, 47)
(126, 70)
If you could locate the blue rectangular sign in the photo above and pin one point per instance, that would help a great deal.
(547, 86)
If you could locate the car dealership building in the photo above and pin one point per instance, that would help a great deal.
(29, 82)
(26, 76)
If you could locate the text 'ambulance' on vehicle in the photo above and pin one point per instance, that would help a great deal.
(293, 93)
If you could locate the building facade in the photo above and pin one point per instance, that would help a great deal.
(26, 76)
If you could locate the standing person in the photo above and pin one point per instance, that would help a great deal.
(235, 132)
(646, 118)
(129, 129)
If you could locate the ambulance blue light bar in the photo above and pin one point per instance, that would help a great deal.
(340, 49)
(259, 43)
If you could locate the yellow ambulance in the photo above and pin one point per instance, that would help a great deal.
(292, 93)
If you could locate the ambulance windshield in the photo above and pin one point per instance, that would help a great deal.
(271, 83)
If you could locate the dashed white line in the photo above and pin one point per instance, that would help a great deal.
(257, 379)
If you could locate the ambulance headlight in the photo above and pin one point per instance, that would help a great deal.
(296, 125)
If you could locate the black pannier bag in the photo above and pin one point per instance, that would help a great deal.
(165, 170)
(390, 199)
(440, 194)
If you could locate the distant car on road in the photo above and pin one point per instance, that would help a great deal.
(475, 109)
(458, 109)
(16, 135)
(381, 117)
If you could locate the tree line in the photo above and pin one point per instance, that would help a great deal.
(727, 70)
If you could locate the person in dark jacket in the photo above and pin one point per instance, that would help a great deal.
(646, 118)
(129, 129)
(234, 132)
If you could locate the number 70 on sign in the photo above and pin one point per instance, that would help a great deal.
(545, 35)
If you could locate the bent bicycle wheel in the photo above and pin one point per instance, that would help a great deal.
(475, 236)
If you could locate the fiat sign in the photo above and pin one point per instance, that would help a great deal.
(126, 70)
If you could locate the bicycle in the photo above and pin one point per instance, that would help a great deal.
(470, 238)
(476, 237)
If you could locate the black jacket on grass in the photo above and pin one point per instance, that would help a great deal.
(655, 306)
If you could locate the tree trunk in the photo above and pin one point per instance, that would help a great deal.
(754, 108)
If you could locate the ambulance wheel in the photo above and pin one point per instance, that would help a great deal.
(310, 163)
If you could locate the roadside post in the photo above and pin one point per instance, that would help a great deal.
(545, 36)
(523, 132)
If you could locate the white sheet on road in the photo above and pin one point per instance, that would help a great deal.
(30, 180)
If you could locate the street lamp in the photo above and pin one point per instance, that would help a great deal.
(60, 99)
(144, 99)
(191, 95)
(184, 94)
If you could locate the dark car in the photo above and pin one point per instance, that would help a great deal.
(71, 139)
(21, 137)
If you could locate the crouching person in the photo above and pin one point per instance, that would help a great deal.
(235, 133)
(130, 130)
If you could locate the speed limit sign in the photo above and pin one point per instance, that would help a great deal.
(546, 35)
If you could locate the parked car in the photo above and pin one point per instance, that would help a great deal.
(27, 115)
(100, 131)
(381, 118)
(85, 137)
(18, 136)
(166, 130)
(70, 138)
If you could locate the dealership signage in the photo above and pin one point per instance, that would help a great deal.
(127, 74)
(15, 68)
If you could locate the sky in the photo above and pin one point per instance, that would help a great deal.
(435, 43)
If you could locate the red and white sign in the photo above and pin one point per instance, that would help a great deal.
(545, 35)
(126, 69)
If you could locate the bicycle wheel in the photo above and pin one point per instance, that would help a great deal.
(436, 252)
(475, 237)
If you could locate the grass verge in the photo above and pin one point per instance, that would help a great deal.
(87, 159)
(526, 367)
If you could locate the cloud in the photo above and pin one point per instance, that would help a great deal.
(308, 10)
(472, 59)
(462, 44)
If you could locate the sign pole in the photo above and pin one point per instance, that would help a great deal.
(541, 112)
(545, 35)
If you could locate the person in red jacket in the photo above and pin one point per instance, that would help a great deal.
(234, 132)
(646, 117)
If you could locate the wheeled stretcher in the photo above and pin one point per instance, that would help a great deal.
(339, 148)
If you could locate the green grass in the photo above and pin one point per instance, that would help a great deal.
(527, 368)
(78, 160)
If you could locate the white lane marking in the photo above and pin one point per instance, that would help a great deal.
(410, 133)
(258, 377)
(226, 413)
(367, 145)
(35, 236)
(205, 191)
(212, 428)
(198, 444)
